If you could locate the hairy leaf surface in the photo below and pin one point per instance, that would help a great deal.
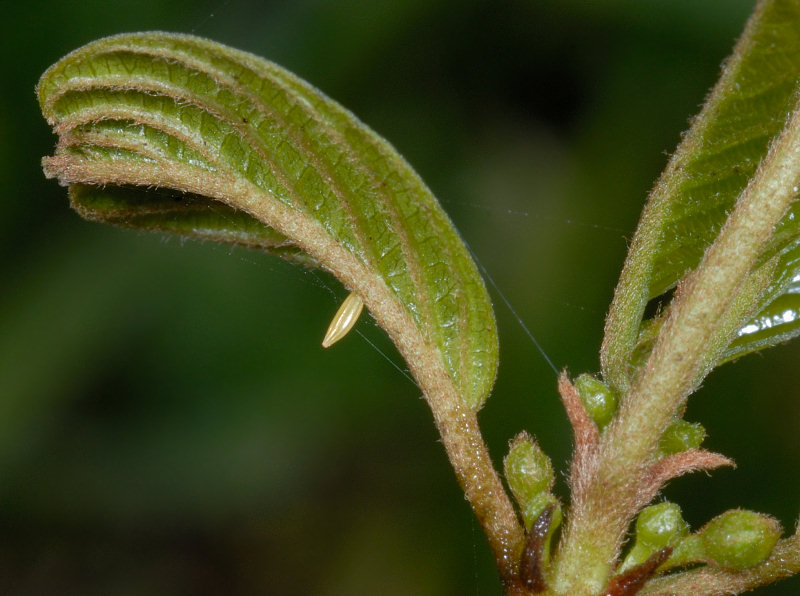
(717, 157)
(179, 134)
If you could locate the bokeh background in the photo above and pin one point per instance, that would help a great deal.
(169, 424)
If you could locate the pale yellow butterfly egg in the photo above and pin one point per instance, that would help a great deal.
(344, 320)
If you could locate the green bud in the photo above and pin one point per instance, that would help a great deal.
(681, 436)
(657, 526)
(598, 399)
(529, 471)
(739, 539)
(660, 525)
(644, 344)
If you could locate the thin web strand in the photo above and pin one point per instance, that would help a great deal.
(494, 209)
(202, 23)
(511, 309)
(387, 358)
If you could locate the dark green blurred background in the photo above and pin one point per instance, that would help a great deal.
(168, 421)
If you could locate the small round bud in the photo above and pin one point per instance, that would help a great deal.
(660, 525)
(529, 471)
(681, 436)
(657, 526)
(739, 539)
(598, 399)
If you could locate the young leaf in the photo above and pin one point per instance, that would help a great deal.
(747, 109)
(180, 134)
(185, 214)
(778, 317)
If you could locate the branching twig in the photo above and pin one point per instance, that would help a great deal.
(712, 581)
(600, 515)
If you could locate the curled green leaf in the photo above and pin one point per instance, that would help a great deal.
(180, 134)
(184, 214)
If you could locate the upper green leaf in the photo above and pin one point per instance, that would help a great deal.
(727, 142)
(717, 157)
(180, 134)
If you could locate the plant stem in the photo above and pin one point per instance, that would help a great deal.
(632, 292)
(604, 505)
(458, 427)
(456, 422)
(782, 563)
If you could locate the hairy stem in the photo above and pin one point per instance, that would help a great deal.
(604, 504)
(631, 294)
(782, 563)
(467, 451)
